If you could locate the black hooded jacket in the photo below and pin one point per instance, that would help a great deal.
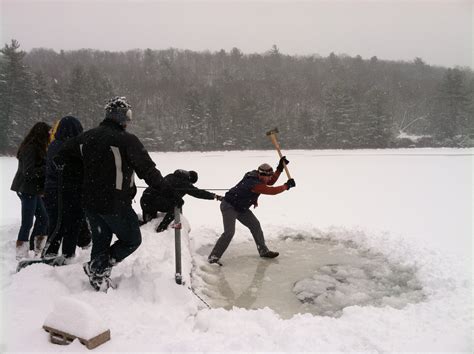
(29, 177)
(181, 185)
(110, 156)
(68, 128)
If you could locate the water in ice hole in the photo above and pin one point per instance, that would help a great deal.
(317, 276)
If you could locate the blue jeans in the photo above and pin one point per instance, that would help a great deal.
(124, 225)
(32, 207)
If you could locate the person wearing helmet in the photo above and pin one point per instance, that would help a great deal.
(182, 182)
(236, 206)
(110, 157)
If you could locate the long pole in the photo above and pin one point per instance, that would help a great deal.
(177, 245)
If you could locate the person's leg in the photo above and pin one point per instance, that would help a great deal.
(51, 204)
(150, 207)
(101, 239)
(229, 215)
(73, 218)
(125, 226)
(84, 239)
(250, 220)
(28, 208)
(40, 228)
(169, 217)
(41, 218)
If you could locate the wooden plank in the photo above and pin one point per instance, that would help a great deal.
(63, 338)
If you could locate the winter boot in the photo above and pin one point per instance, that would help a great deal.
(99, 281)
(214, 260)
(40, 242)
(22, 248)
(269, 254)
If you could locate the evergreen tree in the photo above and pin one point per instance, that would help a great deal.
(45, 103)
(78, 96)
(340, 113)
(214, 114)
(195, 120)
(99, 91)
(376, 127)
(16, 96)
(450, 117)
(315, 102)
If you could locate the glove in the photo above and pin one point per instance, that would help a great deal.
(161, 228)
(219, 197)
(290, 183)
(280, 163)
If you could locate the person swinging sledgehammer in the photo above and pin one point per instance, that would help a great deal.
(236, 204)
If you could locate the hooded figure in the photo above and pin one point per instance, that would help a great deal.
(153, 201)
(72, 214)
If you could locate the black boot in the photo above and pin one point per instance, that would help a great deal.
(269, 254)
(100, 281)
(214, 260)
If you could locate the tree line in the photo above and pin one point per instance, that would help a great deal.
(187, 100)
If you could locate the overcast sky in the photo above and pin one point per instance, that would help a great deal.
(440, 32)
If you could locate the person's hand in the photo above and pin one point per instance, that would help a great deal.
(282, 161)
(290, 183)
(161, 228)
(219, 197)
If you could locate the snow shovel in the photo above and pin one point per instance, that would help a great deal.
(272, 134)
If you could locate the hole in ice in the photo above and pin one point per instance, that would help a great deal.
(311, 275)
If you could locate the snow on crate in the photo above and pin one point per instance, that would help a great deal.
(72, 318)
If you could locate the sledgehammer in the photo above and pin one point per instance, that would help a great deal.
(272, 134)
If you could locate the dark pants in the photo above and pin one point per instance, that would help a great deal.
(151, 206)
(124, 225)
(32, 207)
(247, 218)
(72, 220)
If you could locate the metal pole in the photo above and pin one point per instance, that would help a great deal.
(177, 245)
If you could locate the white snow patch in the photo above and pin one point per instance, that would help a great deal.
(412, 206)
(75, 317)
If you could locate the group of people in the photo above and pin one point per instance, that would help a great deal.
(36, 183)
(90, 176)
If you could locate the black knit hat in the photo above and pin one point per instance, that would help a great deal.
(119, 110)
(193, 177)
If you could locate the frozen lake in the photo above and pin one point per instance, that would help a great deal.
(317, 276)
(375, 252)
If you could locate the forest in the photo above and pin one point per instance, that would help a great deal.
(185, 100)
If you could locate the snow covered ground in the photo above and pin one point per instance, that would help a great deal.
(414, 208)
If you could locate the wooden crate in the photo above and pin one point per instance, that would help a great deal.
(62, 338)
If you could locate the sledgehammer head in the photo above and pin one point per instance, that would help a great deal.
(273, 131)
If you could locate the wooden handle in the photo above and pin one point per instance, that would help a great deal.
(277, 147)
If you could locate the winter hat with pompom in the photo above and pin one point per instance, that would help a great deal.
(118, 110)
